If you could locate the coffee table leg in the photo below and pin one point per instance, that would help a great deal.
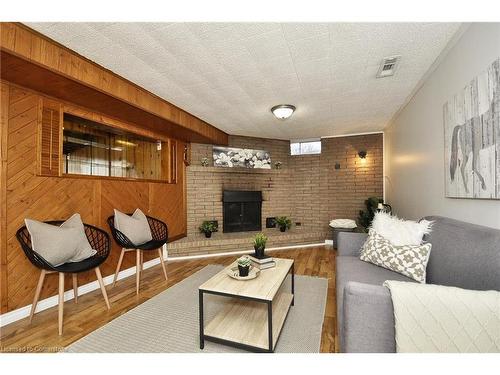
(293, 284)
(270, 324)
(202, 333)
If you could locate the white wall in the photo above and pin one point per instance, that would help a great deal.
(414, 141)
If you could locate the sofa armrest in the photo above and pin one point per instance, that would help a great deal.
(349, 244)
(368, 319)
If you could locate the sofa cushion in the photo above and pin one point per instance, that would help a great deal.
(353, 269)
(408, 260)
(463, 255)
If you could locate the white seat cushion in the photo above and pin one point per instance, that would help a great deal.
(135, 227)
(343, 223)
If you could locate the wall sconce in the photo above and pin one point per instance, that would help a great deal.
(362, 154)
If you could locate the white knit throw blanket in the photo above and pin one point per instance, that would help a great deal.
(435, 318)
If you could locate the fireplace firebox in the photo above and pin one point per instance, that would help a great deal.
(242, 211)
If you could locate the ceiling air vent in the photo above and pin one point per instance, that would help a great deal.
(388, 66)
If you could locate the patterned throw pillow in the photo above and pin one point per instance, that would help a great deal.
(408, 260)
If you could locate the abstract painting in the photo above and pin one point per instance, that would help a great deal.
(472, 138)
(240, 157)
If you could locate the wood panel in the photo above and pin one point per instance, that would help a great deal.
(31, 59)
(28, 194)
(90, 313)
(4, 118)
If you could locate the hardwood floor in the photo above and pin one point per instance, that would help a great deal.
(91, 313)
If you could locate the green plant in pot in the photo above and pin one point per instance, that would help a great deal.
(365, 218)
(208, 227)
(259, 244)
(283, 223)
(244, 263)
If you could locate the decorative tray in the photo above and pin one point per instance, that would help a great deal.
(235, 273)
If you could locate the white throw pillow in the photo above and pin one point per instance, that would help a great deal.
(135, 227)
(408, 260)
(60, 244)
(398, 231)
(84, 250)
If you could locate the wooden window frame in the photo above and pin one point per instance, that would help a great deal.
(169, 153)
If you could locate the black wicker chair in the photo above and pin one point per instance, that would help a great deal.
(99, 241)
(159, 232)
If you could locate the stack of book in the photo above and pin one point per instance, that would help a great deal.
(263, 262)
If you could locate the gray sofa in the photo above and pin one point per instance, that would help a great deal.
(463, 255)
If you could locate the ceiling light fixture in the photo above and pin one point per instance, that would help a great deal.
(283, 111)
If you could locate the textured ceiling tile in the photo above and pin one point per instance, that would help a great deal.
(314, 68)
(267, 46)
(279, 66)
(240, 65)
(314, 48)
(246, 30)
(231, 74)
(295, 31)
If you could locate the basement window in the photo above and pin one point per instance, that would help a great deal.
(93, 149)
(305, 147)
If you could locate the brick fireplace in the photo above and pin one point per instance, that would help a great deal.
(309, 189)
(241, 211)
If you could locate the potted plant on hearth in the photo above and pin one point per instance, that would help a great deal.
(244, 265)
(208, 227)
(259, 244)
(283, 223)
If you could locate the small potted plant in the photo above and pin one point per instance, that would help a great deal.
(208, 227)
(259, 244)
(283, 223)
(244, 265)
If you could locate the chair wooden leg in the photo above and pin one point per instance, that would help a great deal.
(137, 271)
(61, 302)
(142, 261)
(103, 288)
(75, 287)
(160, 253)
(118, 266)
(37, 293)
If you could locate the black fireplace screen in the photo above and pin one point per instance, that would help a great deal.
(242, 211)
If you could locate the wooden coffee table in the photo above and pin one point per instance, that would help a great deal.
(254, 312)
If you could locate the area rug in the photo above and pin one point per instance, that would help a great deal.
(168, 322)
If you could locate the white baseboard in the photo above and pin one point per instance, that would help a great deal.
(49, 302)
(329, 242)
(249, 251)
(24, 312)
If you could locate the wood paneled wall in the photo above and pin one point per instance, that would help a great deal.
(25, 194)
